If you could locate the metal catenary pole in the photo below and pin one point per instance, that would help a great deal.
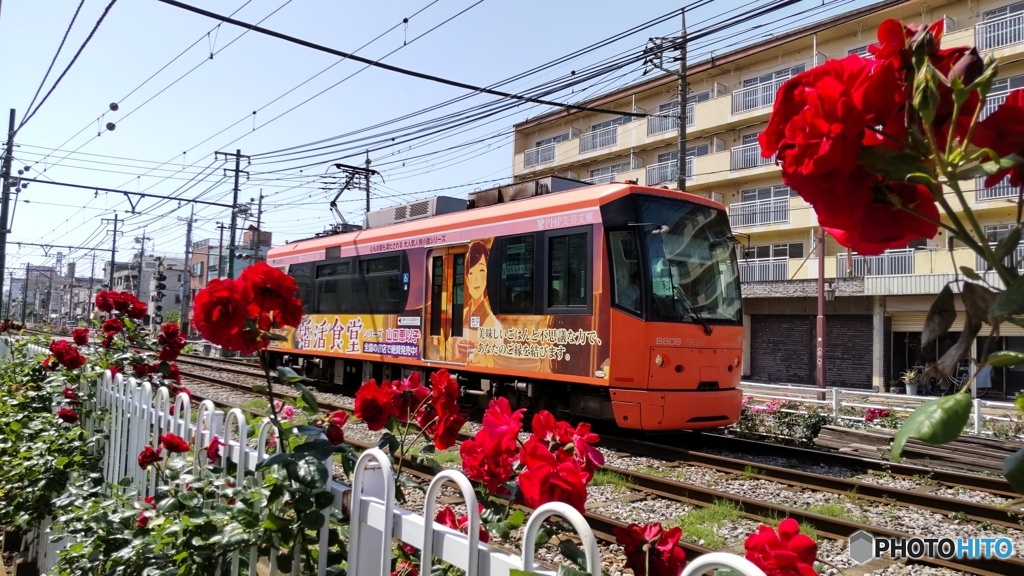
(5, 197)
(186, 286)
(681, 145)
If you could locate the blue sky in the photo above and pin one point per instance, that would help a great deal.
(168, 128)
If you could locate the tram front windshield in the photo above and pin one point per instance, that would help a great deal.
(691, 262)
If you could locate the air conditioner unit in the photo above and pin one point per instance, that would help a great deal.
(415, 211)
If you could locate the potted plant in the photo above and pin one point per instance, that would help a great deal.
(910, 378)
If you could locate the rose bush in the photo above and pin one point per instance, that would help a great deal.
(880, 147)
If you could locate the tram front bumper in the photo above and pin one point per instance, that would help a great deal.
(691, 410)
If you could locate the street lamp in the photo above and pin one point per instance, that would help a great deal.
(830, 290)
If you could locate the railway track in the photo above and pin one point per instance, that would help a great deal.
(835, 528)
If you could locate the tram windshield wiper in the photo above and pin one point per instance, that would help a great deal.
(688, 308)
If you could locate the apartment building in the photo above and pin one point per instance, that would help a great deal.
(874, 320)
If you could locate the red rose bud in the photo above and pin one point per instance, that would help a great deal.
(174, 444)
(71, 395)
(80, 336)
(785, 552)
(968, 68)
(148, 457)
(213, 450)
(652, 548)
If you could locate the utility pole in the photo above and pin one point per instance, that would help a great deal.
(681, 146)
(220, 249)
(142, 255)
(819, 351)
(366, 172)
(5, 197)
(10, 289)
(91, 301)
(657, 60)
(186, 286)
(113, 251)
(259, 230)
(234, 209)
(24, 294)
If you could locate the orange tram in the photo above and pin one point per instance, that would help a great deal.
(605, 302)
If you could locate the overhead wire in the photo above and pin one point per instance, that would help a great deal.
(60, 47)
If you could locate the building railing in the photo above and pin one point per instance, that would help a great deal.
(764, 269)
(666, 123)
(539, 155)
(602, 179)
(759, 212)
(992, 102)
(889, 263)
(1003, 189)
(597, 139)
(667, 171)
(1015, 258)
(999, 32)
(756, 96)
(748, 156)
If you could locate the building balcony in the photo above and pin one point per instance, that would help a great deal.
(540, 155)
(663, 172)
(1014, 259)
(661, 124)
(999, 33)
(756, 96)
(889, 263)
(764, 269)
(598, 139)
(1002, 190)
(759, 212)
(748, 156)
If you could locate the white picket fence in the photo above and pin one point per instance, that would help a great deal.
(138, 415)
(838, 401)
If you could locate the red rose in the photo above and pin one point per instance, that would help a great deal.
(112, 325)
(138, 309)
(334, 427)
(786, 553)
(273, 294)
(502, 423)
(652, 548)
(80, 336)
(1003, 132)
(105, 300)
(544, 479)
(71, 395)
(405, 568)
(213, 450)
(447, 418)
(447, 518)
(221, 315)
(67, 415)
(580, 441)
(488, 459)
(174, 444)
(373, 405)
(148, 456)
(408, 397)
(66, 354)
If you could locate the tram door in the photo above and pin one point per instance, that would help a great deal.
(445, 310)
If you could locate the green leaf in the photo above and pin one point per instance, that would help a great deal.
(260, 389)
(275, 459)
(518, 572)
(319, 448)
(1019, 403)
(517, 518)
(388, 441)
(313, 521)
(572, 551)
(970, 273)
(308, 398)
(288, 375)
(1008, 244)
(936, 422)
(1013, 470)
(891, 163)
(61, 462)
(276, 337)
(1009, 302)
(323, 499)
(1005, 358)
(940, 316)
(308, 471)
(926, 94)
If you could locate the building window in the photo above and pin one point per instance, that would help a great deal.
(553, 139)
(1003, 12)
(613, 122)
(766, 193)
(609, 171)
(791, 250)
(773, 76)
(860, 51)
(997, 233)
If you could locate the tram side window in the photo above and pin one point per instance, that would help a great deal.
(625, 269)
(384, 282)
(303, 275)
(339, 289)
(516, 289)
(568, 270)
